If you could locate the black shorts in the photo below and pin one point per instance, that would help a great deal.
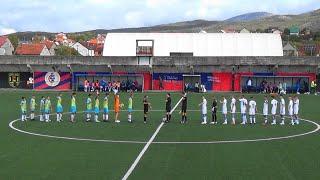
(168, 109)
(145, 111)
(183, 110)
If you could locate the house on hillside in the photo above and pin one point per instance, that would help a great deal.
(62, 39)
(290, 50)
(50, 45)
(38, 49)
(244, 30)
(96, 44)
(277, 31)
(274, 30)
(294, 30)
(6, 47)
(229, 30)
(83, 49)
(98, 40)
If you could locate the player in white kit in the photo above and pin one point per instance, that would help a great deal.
(296, 104)
(224, 109)
(203, 105)
(243, 109)
(265, 109)
(290, 110)
(252, 110)
(233, 109)
(274, 104)
(282, 109)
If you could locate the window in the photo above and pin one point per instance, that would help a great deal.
(144, 60)
(144, 48)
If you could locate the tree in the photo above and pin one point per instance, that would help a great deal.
(317, 36)
(259, 30)
(286, 31)
(66, 51)
(14, 40)
(82, 37)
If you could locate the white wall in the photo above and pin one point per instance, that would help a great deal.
(83, 51)
(8, 47)
(200, 44)
(45, 52)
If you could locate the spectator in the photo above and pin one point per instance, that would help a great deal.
(270, 87)
(306, 87)
(97, 86)
(160, 83)
(280, 88)
(298, 86)
(203, 88)
(249, 85)
(92, 87)
(313, 87)
(103, 85)
(275, 88)
(30, 82)
(86, 85)
(123, 86)
(196, 87)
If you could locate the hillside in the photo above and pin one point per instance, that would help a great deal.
(251, 21)
(249, 17)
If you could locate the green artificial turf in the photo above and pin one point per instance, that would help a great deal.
(27, 157)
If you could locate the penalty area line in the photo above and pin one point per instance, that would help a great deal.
(145, 148)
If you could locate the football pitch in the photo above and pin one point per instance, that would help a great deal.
(81, 150)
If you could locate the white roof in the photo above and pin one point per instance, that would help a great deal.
(200, 44)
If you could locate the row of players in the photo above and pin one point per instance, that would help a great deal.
(93, 107)
(293, 109)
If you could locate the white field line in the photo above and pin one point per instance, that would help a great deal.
(11, 125)
(145, 148)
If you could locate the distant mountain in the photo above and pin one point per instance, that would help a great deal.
(249, 17)
(250, 21)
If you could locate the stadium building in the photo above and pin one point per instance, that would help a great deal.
(169, 62)
(192, 44)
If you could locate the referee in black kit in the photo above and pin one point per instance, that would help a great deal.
(214, 111)
(184, 108)
(168, 108)
(146, 106)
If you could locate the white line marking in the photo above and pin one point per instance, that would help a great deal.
(145, 148)
(167, 142)
(128, 173)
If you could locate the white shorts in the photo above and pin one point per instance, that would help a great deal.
(290, 113)
(224, 111)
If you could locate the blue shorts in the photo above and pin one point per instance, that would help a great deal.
(59, 109)
(105, 110)
(130, 110)
(32, 110)
(42, 111)
(47, 111)
(89, 111)
(96, 110)
(73, 109)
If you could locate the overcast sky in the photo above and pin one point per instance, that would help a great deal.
(79, 15)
